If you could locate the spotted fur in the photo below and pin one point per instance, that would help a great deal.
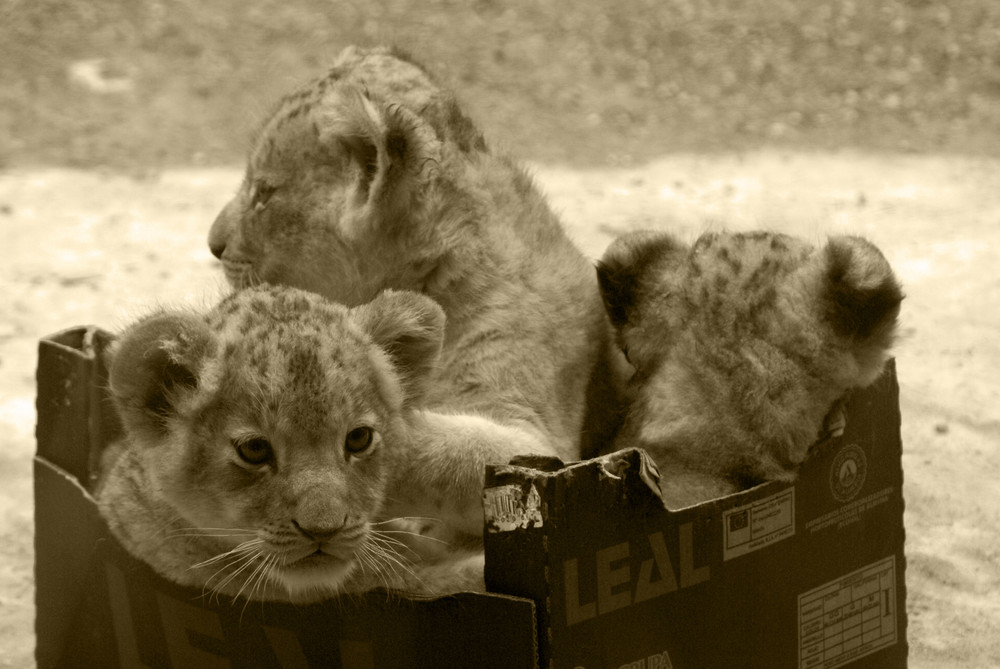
(262, 439)
(741, 344)
(372, 177)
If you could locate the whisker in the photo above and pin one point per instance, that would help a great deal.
(199, 530)
(398, 518)
(243, 549)
(254, 577)
(247, 559)
(388, 556)
(365, 563)
(415, 534)
(382, 539)
(380, 568)
(236, 561)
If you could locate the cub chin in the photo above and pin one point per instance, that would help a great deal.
(261, 441)
(742, 344)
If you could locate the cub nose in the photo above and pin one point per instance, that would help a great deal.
(319, 532)
(219, 232)
(217, 249)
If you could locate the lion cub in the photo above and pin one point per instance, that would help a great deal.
(372, 177)
(742, 344)
(261, 440)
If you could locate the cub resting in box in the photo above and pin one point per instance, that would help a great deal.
(741, 345)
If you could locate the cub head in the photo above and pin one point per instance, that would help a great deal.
(742, 343)
(265, 429)
(342, 179)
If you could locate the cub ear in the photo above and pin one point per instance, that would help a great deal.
(388, 146)
(409, 327)
(861, 296)
(621, 270)
(152, 365)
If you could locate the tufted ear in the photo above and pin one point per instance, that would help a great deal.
(621, 270)
(153, 364)
(861, 296)
(387, 147)
(410, 328)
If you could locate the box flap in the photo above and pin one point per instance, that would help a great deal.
(75, 419)
(67, 528)
(159, 624)
(762, 578)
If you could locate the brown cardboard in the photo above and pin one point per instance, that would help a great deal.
(99, 607)
(777, 576)
(805, 575)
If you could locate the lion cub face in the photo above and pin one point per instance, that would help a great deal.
(262, 431)
(741, 345)
(340, 180)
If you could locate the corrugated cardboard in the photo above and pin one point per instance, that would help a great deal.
(99, 607)
(805, 575)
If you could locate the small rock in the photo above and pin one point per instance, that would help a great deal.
(100, 76)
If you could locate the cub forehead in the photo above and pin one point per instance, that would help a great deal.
(747, 267)
(257, 310)
(723, 282)
(384, 72)
(287, 342)
(739, 253)
(378, 73)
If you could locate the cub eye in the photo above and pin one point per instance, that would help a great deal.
(262, 193)
(358, 439)
(253, 450)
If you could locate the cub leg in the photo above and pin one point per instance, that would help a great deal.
(440, 472)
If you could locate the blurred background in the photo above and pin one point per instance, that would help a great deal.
(813, 117)
(600, 83)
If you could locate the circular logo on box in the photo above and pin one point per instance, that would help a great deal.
(847, 473)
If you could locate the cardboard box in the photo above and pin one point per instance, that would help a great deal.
(99, 607)
(589, 568)
(806, 575)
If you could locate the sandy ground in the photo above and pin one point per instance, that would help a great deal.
(83, 247)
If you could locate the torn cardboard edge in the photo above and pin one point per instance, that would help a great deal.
(98, 606)
(588, 569)
(808, 574)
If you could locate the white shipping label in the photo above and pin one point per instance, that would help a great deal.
(849, 617)
(758, 524)
(509, 508)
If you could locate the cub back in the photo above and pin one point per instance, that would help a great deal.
(741, 344)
